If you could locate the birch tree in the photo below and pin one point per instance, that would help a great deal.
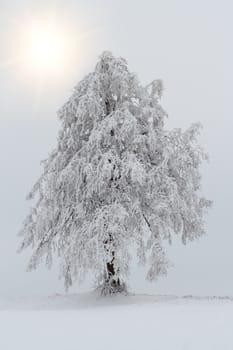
(117, 178)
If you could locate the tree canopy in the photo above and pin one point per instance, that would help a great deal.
(116, 178)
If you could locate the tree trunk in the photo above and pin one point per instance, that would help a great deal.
(111, 275)
(112, 284)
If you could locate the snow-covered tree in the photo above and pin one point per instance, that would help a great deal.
(117, 178)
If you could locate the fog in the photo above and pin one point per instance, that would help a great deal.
(185, 43)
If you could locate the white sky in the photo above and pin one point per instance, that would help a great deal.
(188, 45)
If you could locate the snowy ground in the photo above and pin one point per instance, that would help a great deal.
(87, 322)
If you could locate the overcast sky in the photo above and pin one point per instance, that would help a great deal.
(188, 44)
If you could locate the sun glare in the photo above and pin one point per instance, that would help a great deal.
(45, 49)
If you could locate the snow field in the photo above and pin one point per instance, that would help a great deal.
(118, 323)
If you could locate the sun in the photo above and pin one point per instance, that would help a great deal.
(45, 48)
